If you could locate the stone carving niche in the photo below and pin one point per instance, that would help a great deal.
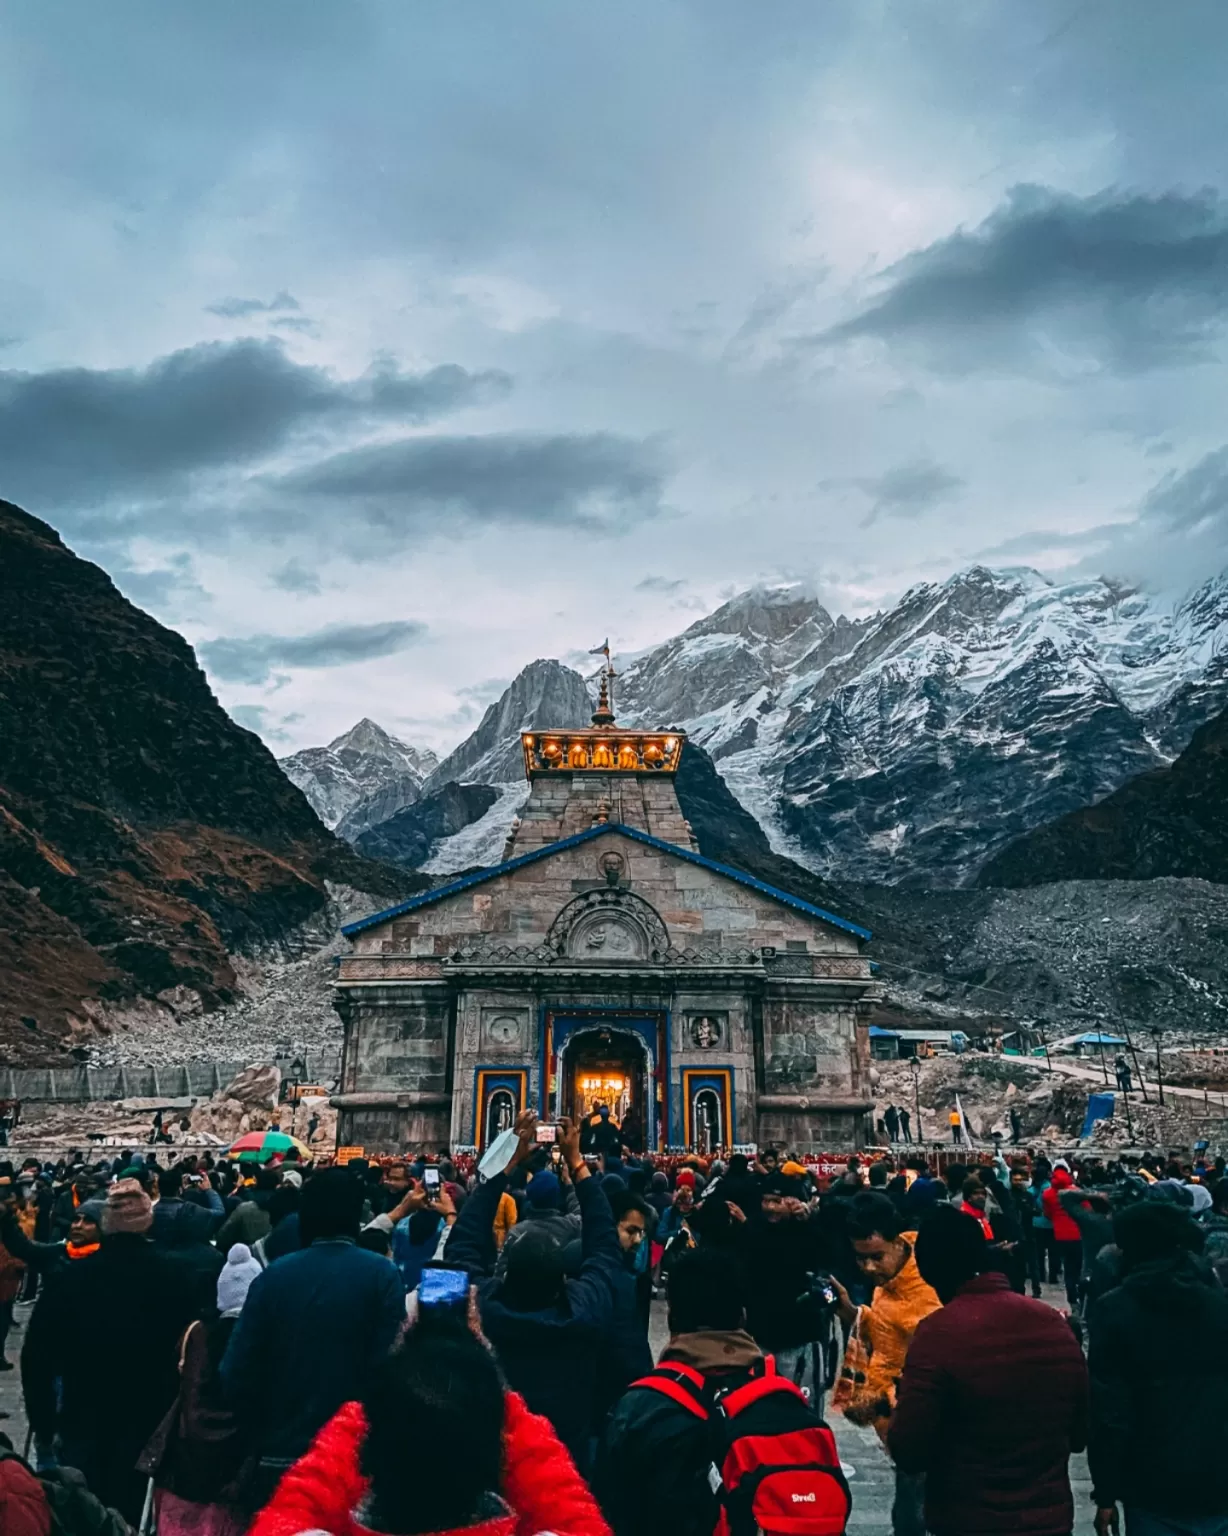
(610, 927)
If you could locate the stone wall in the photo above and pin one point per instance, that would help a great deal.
(434, 995)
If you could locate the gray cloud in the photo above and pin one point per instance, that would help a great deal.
(1125, 281)
(302, 325)
(905, 490)
(243, 309)
(80, 436)
(295, 577)
(1194, 500)
(161, 587)
(660, 584)
(592, 480)
(1179, 536)
(253, 658)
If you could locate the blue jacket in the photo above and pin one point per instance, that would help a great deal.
(313, 1327)
(551, 1357)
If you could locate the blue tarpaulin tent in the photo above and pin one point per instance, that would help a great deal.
(1100, 1106)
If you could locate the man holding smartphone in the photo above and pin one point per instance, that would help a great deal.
(548, 1330)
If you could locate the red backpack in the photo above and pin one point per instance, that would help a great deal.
(774, 1468)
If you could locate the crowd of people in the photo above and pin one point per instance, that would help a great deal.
(406, 1346)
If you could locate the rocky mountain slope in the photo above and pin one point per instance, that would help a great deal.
(145, 838)
(409, 838)
(545, 693)
(361, 778)
(1171, 821)
(909, 747)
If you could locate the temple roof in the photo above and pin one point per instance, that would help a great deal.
(479, 877)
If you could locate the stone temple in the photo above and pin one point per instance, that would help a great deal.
(605, 960)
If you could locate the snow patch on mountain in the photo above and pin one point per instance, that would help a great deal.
(481, 844)
(363, 762)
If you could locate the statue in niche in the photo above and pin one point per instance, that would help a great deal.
(705, 1032)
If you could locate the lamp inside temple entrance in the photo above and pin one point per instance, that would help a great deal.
(606, 1067)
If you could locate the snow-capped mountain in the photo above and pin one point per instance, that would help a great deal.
(361, 778)
(906, 748)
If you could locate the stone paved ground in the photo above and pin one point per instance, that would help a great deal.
(13, 1422)
(871, 1482)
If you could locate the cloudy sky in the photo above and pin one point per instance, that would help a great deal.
(381, 348)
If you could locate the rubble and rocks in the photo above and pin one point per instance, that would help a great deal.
(286, 1004)
(250, 1102)
(1051, 1103)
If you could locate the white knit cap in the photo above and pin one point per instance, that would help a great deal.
(236, 1278)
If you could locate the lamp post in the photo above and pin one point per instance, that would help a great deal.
(916, 1090)
(298, 1071)
(1157, 1032)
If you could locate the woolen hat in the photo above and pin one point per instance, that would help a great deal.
(544, 1192)
(236, 1278)
(128, 1208)
(92, 1210)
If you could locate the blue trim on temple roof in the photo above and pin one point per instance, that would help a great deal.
(455, 887)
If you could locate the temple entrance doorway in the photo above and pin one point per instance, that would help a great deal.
(604, 1066)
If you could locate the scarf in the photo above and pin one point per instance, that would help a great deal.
(81, 1252)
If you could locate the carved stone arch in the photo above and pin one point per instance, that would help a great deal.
(611, 926)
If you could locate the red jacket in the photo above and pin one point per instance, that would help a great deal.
(540, 1483)
(1065, 1228)
(990, 1405)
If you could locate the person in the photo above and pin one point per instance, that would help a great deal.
(550, 1205)
(891, 1119)
(992, 1400)
(435, 1445)
(1214, 1224)
(957, 1128)
(975, 1199)
(1124, 1077)
(1026, 1210)
(880, 1334)
(781, 1248)
(1016, 1120)
(655, 1457)
(249, 1222)
(12, 1270)
(627, 1354)
(314, 1327)
(48, 1259)
(182, 1229)
(1067, 1238)
(601, 1134)
(547, 1328)
(100, 1363)
(1158, 1357)
(197, 1456)
(1092, 1215)
(905, 1124)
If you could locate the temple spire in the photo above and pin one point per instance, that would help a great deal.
(603, 715)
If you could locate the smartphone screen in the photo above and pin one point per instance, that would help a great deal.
(444, 1289)
(546, 1133)
(430, 1180)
